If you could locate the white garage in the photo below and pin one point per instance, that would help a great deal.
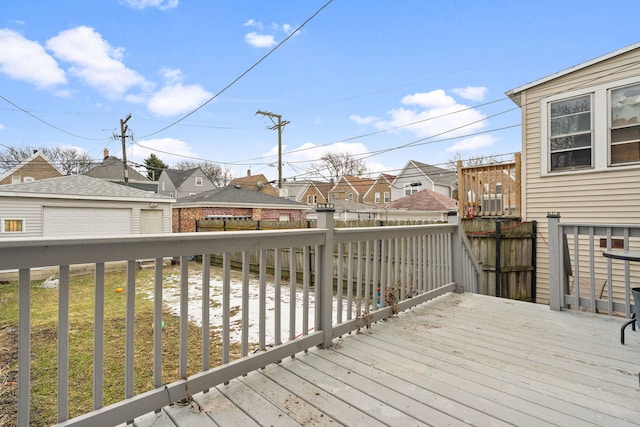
(71, 221)
(78, 205)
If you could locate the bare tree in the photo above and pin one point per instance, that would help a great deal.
(219, 175)
(335, 165)
(473, 161)
(69, 160)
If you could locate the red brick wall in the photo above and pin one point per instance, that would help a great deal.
(184, 219)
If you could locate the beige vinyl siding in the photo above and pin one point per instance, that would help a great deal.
(608, 196)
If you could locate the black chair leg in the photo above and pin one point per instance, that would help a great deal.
(631, 322)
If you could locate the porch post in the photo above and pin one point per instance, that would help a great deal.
(325, 274)
(456, 255)
(555, 261)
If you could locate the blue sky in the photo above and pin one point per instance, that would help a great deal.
(384, 81)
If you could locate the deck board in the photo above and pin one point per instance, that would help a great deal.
(457, 360)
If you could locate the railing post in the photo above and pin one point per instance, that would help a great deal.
(555, 261)
(324, 303)
(456, 255)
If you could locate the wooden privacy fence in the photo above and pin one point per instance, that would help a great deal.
(506, 248)
(490, 190)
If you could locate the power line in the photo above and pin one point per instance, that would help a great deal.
(247, 71)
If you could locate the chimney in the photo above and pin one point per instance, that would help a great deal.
(248, 172)
(106, 153)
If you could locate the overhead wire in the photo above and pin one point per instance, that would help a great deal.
(244, 73)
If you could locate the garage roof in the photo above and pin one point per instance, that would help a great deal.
(79, 186)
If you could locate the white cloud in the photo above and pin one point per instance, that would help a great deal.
(259, 40)
(436, 114)
(95, 62)
(472, 143)
(160, 4)
(362, 120)
(262, 39)
(473, 93)
(26, 60)
(434, 99)
(2, 126)
(177, 98)
(160, 147)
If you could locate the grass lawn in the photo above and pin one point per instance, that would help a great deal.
(44, 350)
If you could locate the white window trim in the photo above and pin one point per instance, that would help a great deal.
(24, 225)
(600, 118)
(199, 181)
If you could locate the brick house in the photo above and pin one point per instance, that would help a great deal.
(315, 192)
(234, 202)
(34, 168)
(258, 183)
(380, 191)
(350, 188)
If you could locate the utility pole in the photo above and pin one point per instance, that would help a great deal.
(123, 136)
(277, 125)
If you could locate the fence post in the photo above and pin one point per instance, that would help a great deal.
(498, 260)
(325, 274)
(555, 261)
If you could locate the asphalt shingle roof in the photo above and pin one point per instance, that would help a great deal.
(424, 200)
(80, 186)
(235, 194)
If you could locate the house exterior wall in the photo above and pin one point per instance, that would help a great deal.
(309, 194)
(31, 209)
(381, 186)
(598, 195)
(342, 190)
(38, 169)
(189, 187)
(412, 174)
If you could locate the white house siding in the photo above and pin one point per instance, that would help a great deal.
(31, 213)
(608, 196)
(83, 221)
(32, 210)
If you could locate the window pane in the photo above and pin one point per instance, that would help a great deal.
(12, 225)
(571, 106)
(625, 134)
(625, 153)
(570, 159)
(571, 124)
(625, 106)
(568, 142)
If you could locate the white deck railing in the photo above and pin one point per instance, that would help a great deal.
(580, 277)
(346, 274)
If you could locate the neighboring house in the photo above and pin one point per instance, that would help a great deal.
(234, 202)
(35, 167)
(179, 184)
(423, 205)
(78, 205)
(315, 192)
(581, 146)
(112, 169)
(346, 210)
(380, 191)
(350, 188)
(416, 176)
(293, 189)
(255, 182)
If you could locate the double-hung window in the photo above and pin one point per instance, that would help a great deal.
(571, 133)
(377, 198)
(624, 125)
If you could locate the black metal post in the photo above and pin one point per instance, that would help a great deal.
(497, 270)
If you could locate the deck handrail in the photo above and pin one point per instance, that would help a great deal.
(580, 277)
(351, 278)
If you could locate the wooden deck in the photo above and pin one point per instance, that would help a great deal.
(457, 360)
